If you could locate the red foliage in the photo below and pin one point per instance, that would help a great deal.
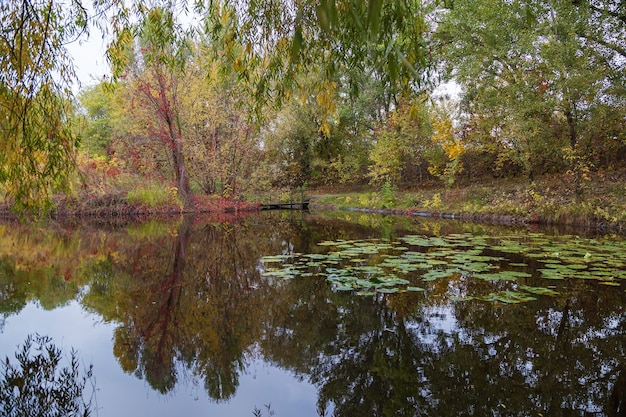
(207, 204)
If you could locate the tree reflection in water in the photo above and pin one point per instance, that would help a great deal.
(192, 305)
(40, 385)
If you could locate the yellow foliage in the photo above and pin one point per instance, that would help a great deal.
(402, 139)
(445, 138)
(435, 203)
(325, 99)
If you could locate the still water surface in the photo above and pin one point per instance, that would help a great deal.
(201, 317)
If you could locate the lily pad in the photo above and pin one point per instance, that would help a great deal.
(372, 266)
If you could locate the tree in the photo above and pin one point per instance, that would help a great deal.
(221, 145)
(448, 149)
(98, 104)
(281, 40)
(289, 144)
(532, 82)
(401, 142)
(36, 74)
(154, 76)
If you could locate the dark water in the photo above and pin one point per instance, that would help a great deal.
(181, 318)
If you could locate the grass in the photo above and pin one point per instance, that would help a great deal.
(550, 199)
(102, 187)
(152, 195)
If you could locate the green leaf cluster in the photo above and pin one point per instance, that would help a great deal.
(36, 75)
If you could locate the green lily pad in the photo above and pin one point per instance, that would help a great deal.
(372, 266)
(538, 290)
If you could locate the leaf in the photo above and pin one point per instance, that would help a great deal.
(374, 16)
(611, 283)
(297, 43)
(538, 290)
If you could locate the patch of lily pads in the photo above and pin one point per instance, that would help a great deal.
(410, 263)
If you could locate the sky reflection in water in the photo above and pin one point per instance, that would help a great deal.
(119, 394)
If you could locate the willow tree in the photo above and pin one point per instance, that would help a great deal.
(270, 42)
(36, 75)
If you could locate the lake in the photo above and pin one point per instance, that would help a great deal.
(338, 313)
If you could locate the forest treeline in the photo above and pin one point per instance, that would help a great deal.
(265, 95)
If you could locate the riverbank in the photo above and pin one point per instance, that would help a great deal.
(552, 200)
(600, 203)
(109, 206)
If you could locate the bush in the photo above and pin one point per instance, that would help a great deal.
(388, 194)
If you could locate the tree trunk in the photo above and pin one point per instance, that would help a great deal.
(180, 170)
(571, 127)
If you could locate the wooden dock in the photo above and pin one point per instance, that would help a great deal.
(303, 205)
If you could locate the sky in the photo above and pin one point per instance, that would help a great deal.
(89, 59)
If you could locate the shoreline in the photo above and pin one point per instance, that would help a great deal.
(486, 218)
(131, 213)
(548, 201)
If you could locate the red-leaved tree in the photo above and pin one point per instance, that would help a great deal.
(153, 76)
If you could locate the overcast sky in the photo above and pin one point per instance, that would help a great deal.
(89, 59)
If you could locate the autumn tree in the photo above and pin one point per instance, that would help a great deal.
(447, 148)
(36, 75)
(221, 142)
(277, 40)
(154, 78)
(543, 79)
(326, 136)
(401, 142)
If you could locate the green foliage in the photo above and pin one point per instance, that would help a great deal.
(96, 127)
(387, 194)
(340, 37)
(39, 384)
(401, 141)
(36, 74)
(290, 146)
(533, 82)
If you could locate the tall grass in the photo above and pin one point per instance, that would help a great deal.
(153, 194)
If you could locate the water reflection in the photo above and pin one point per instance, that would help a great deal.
(189, 303)
(39, 382)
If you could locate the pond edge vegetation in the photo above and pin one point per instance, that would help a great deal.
(549, 200)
